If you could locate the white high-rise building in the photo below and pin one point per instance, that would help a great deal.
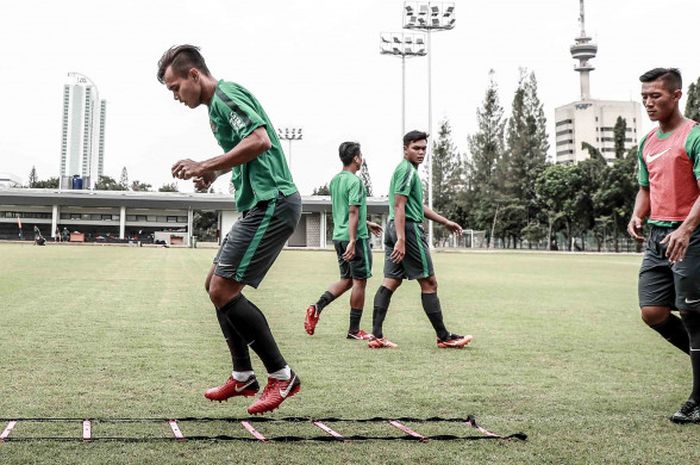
(589, 120)
(83, 133)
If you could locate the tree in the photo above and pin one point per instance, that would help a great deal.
(447, 176)
(138, 186)
(321, 190)
(107, 183)
(364, 176)
(172, 187)
(124, 180)
(692, 104)
(524, 157)
(51, 183)
(619, 134)
(32, 177)
(485, 149)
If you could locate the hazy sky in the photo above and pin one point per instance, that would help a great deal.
(312, 64)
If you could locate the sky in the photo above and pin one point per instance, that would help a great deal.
(312, 64)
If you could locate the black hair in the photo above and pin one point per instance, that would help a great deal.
(347, 151)
(413, 136)
(670, 76)
(182, 58)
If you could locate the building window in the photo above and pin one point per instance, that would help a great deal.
(564, 121)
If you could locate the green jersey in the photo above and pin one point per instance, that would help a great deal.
(347, 190)
(234, 113)
(405, 181)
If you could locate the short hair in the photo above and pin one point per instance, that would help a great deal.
(413, 136)
(347, 151)
(670, 76)
(182, 58)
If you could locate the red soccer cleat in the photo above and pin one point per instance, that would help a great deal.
(311, 319)
(232, 388)
(361, 335)
(454, 341)
(380, 343)
(276, 392)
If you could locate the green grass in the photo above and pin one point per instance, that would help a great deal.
(559, 353)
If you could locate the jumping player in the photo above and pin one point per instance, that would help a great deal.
(351, 240)
(407, 255)
(669, 193)
(270, 206)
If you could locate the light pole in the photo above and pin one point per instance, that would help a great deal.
(403, 44)
(429, 17)
(289, 134)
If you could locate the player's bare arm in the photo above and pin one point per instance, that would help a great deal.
(248, 149)
(400, 225)
(642, 207)
(677, 242)
(453, 227)
(374, 228)
(353, 220)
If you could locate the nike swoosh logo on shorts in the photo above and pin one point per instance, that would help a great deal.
(651, 158)
(240, 388)
(285, 392)
(694, 301)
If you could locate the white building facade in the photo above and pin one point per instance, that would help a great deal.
(83, 133)
(593, 121)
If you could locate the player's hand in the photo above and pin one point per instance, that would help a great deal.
(374, 228)
(676, 244)
(453, 227)
(187, 169)
(204, 182)
(399, 251)
(349, 252)
(634, 228)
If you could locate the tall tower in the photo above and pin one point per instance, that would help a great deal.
(584, 50)
(82, 135)
(591, 120)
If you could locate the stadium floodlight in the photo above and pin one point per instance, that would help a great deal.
(290, 134)
(410, 44)
(429, 16)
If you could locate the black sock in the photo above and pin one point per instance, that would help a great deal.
(431, 306)
(250, 323)
(324, 300)
(691, 320)
(381, 305)
(240, 356)
(355, 318)
(674, 332)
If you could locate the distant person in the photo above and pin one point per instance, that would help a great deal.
(57, 235)
(37, 234)
(669, 193)
(271, 206)
(407, 254)
(66, 234)
(351, 241)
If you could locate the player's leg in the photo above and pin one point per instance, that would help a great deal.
(433, 310)
(257, 241)
(242, 381)
(687, 283)
(657, 292)
(393, 277)
(335, 290)
(361, 271)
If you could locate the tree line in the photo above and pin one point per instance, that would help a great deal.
(104, 183)
(505, 187)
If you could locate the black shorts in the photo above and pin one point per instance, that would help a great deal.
(360, 267)
(417, 263)
(664, 285)
(254, 242)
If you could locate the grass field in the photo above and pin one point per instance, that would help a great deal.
(559, 353)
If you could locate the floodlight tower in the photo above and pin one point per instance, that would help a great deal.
(429, 17)
(584, 50)
(289, 134)
(404, 45)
